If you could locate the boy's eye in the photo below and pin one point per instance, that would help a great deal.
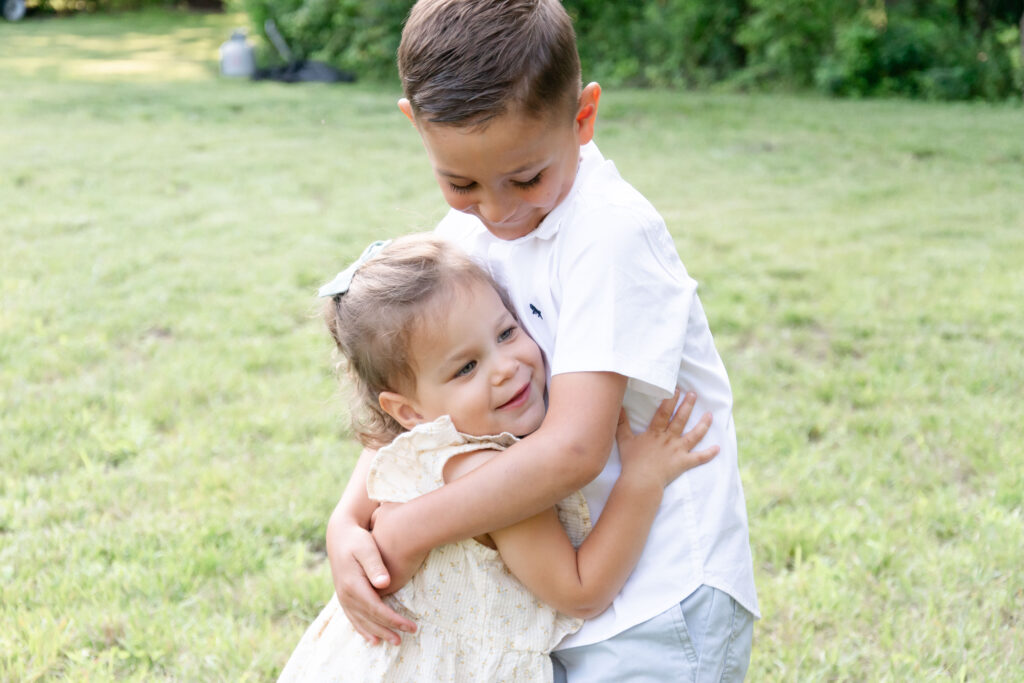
(461, 189)
(526, 184)
(466, 369)
(507, 334)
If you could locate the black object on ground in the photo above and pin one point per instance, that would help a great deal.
(298, 70)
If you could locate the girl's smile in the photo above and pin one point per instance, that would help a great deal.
(521, 396)
(474, 363)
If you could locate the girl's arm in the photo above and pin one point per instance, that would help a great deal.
(356, 565)
(583, 582)
(568, 451)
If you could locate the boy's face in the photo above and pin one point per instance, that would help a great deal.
(511, 173)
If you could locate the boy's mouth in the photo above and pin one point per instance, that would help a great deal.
(518, 399)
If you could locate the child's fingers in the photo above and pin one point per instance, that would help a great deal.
(372, 619)
(683, 413)
(699, 431)
(664, 413)
(368, 557)
(692, 459)
(373, 633)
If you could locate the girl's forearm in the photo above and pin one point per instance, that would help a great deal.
(583, 582)
(610, 552)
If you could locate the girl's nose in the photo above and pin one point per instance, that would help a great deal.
(505, 368)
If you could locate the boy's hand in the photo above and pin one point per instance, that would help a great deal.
(663, 451)
(355, 561)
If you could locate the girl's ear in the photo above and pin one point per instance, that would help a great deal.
(406, 107)
(586, 113)
(399, 407)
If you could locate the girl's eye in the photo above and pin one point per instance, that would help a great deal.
(466, 369)
(525, 185)
(461, 189)
(507, 334)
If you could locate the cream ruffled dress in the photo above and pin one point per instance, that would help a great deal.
(476, 621)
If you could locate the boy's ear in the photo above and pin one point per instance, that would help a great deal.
(400, 408)
(406, 106)
(586, 113)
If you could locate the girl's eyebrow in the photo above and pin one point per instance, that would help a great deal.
(458, 356)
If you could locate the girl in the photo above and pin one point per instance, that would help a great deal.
(445, 379)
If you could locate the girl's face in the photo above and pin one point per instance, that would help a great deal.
(475, 364)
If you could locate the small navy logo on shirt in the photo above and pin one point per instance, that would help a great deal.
(536, 311)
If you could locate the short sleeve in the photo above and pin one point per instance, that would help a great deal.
(413, 463)
(625, 299)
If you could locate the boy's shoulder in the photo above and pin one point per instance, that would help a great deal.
(601, 196)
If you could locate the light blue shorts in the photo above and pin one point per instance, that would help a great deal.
(706, 637)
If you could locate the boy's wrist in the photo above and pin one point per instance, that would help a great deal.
(394, 534)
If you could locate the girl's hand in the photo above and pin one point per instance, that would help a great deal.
(663, 452)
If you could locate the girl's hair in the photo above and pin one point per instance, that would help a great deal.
(401, 287)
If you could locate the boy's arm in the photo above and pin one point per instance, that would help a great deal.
(356, 563)
(568, 451)
(582, 583)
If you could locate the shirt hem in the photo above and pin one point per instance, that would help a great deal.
(661, 607)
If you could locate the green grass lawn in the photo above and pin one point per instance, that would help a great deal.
(171, 433)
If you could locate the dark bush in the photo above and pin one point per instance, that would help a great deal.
(941, 49)
(670, 42)
(786, 39)
(73, 6)
(917, 57)
(360, 36)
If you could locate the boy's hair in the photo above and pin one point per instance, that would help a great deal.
(402, 287)
(464, 62)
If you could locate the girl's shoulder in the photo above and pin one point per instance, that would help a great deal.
(414, 463)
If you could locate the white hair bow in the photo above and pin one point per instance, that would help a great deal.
(341, 281)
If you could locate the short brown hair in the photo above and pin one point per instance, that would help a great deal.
(404, 284)
(464, 62)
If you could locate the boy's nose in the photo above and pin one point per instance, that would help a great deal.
(496, 210)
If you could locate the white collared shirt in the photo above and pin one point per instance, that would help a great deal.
(600, 287)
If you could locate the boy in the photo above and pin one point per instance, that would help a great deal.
(493, 88)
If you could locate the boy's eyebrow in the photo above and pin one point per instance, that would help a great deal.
(521, 169)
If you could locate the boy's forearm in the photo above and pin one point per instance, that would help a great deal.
(568, 451)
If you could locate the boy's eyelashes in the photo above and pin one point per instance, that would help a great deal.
(528, 183)
(461, 189)
(522, 185)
